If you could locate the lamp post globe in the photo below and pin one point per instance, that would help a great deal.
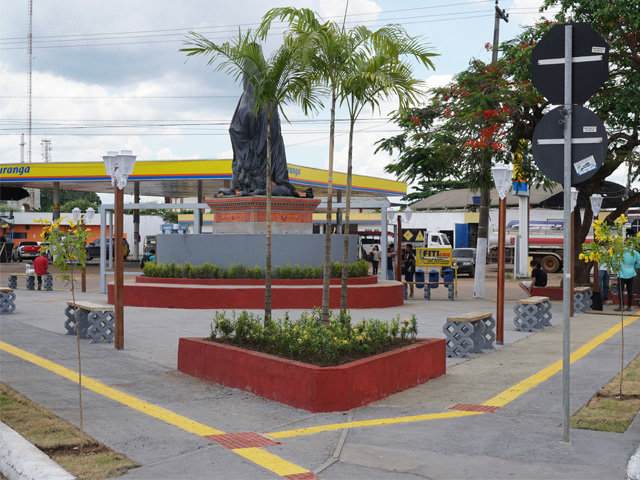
(596, 204)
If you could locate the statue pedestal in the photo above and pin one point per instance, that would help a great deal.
(249, 214)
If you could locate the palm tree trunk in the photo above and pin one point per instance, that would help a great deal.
(326, 279)
(345, 252)
(267, 269)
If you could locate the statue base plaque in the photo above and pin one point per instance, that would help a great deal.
(249, 214)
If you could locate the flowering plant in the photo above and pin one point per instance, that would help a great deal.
(610, 244)
(309, 340)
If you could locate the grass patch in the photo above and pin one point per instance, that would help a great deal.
(607, 411)
(59, 439)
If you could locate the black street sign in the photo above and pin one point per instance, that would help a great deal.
(590, 64)
(588, 144)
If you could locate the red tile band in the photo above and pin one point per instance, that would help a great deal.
(302, 476)
(468, 407)
(242, 440)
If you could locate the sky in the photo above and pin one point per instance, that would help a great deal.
(110, 76)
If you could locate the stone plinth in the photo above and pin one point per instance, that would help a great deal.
(249, 214)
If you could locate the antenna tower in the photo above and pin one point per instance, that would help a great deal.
(29, 93)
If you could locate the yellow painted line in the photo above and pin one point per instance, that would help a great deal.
(270, 461)
(114, 394)
(499, 400)
(369, 423)
(264, 459)
(527, 384)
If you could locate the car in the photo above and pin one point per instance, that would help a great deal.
(466, 260)
(93, 249)
(25, 250)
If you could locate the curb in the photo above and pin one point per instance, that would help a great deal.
(19, 459)
(633, 467)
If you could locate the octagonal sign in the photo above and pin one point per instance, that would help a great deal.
(590, 61)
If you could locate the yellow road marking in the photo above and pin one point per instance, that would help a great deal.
(369, 423)
(114, 394)
(499, 400)
(527, 384)
(264, 459)
(270, 461)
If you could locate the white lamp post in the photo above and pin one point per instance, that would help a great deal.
(118, 166)
(502, 177)
(408, 213)
(76, 214)
(574, 202)
(596, 206)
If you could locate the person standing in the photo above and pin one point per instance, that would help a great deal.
(630, 261)
(40, 265)
(391, 252)
(409, 266)
(375, 259)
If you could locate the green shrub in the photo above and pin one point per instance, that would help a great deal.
(308, 340)
(236, 270)
(150, 269)
(336, 270)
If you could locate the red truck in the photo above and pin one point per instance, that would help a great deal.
(25, 250)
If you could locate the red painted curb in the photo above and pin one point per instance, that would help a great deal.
(368, 280)
(388, 294)
(316, 389)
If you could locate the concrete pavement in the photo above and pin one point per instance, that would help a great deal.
(520, 440)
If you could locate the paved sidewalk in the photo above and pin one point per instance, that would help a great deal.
(520, 440)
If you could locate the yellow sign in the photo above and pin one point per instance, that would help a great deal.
(433, 257)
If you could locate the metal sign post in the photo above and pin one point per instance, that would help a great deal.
(567, 79)
(567, 294)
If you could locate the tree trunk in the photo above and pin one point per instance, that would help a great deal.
(483, 233)
(326, 278)
(267, 269)
(347, 214)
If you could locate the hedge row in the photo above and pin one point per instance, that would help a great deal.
(208, 270)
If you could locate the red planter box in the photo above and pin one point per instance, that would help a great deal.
(316, 389)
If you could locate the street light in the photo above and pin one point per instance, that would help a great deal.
(76, 214)
(502, 177)
(574, 202)
(596, 206)
(118, 166)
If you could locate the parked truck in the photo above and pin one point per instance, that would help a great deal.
(546, 243)
(26, 250)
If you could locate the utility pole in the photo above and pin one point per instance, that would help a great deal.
(485, 193)
(46, 150)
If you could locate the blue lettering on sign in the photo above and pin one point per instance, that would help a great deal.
(18, 170)
(293, 171)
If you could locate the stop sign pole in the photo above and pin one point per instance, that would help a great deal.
(567, 294)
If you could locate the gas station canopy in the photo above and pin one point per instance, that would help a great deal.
(179, 178)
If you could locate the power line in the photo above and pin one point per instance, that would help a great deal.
(236, 26)
(465, 16)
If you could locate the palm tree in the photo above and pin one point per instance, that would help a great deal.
(278, 81)
(376, 72)
(324, 49)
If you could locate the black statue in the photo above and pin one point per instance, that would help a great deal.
(248, 131)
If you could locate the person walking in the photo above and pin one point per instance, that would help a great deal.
(40, 265)
(391, 252)
(375, 259)
(409, 266)
(630, 261)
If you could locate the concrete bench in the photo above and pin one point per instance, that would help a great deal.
(7, 301)
(581, 299)
(469, 333)
(47, 281)
(95, 321)
(532, 314)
